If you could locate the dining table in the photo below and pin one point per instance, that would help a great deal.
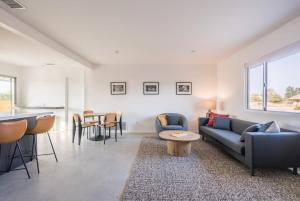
(98, 135)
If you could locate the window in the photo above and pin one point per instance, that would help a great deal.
(274, 85)
(255, 87)
(7, 93)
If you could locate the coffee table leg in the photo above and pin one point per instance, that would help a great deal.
(176, 148)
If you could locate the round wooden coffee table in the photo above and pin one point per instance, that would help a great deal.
(179, 146)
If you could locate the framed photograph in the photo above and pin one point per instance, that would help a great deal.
(151, 88)
(118, 88)
(183, 88)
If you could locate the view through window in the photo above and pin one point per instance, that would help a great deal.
(7, 93)
(278, 89)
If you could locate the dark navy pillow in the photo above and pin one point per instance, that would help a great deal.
(222, 123)
(264, 127)
(253, 128)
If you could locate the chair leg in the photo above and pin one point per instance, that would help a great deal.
(109, 131)
(79, 135)
(12, 158)
(73, 133)
(52, 147)
(120, 124)
(23, 159)
(116, 133)
(104, 135)
(36, 157)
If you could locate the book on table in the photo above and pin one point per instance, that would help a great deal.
(179, 134)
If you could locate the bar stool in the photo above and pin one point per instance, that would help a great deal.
(77, 123)
(12, 132)
(42, 126)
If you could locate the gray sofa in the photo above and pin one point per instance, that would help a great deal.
(175, 122)
(260, 150)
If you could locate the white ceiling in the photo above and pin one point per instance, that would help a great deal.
(156, 31)
(23, 51)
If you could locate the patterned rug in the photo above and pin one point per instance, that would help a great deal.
(207, 174)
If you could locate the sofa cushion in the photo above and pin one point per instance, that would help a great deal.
(222, 123)
(174, 120)
(212, 116)
(253, 128)
(238, 126)
(273, 128)
(163, 119)
(264, 127)
(173, 127)
(228, 138)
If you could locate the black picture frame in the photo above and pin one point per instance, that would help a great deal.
(113, 90)
(145, 92)
(181, 90)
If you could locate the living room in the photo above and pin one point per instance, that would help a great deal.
(150, 100)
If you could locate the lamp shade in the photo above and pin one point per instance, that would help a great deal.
(210, 104)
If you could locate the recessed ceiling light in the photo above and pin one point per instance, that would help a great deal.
(117, 52)
(193, 51)
(50, 64)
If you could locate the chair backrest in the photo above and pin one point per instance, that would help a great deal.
(12, 131)
(77, 119)
(110, 118)
(43, 124)
(87, 112)
(119, 116)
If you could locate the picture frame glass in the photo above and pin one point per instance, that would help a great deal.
(151, 88)
(118, 88)
(183, 88)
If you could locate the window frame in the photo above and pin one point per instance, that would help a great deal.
(248, 67)
(285, 52)
(14, 101)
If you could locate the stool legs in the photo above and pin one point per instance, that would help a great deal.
(33, 143)
(36, 156)
(12, 158)
(52, 147)
(17, 146)
(23, 160)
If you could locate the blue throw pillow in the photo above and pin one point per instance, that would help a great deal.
(253, 128)
(264, 127)
(222, 123)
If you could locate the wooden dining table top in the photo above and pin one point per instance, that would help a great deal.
(96, 114)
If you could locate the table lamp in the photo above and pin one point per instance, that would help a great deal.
(210, 105)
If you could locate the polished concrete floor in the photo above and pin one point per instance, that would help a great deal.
(90, 172)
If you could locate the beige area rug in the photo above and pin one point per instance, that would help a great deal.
(207, 174)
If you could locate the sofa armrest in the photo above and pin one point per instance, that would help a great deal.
(185, 123)
(202, 121)
(158, 125)
(271, 150)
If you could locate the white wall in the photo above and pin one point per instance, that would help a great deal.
(140, 110)
(43, 86)
(231, 76)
